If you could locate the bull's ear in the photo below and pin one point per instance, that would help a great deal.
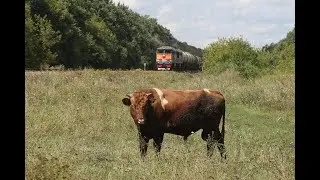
(126, 101)
(151, 97)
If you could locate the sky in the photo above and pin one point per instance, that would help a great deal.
(202, 22)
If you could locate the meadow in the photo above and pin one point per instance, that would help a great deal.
(78, 128)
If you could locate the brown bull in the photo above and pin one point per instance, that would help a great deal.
(181, 112)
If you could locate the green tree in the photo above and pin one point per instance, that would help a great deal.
(40, 39)
(102, 34)
(103, 44)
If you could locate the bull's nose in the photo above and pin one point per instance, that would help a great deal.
(140, 121)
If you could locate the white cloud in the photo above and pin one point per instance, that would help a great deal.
(261, 28)
(164, 9)
(199, 23)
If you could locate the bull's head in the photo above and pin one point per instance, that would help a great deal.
(139, 103)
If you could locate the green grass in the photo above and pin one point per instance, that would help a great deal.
(78, 128)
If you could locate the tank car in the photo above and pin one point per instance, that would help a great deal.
(169, 58)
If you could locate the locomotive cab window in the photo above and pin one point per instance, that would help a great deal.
(164, 51)
(160, 51)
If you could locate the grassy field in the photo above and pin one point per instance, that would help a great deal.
(78, 128)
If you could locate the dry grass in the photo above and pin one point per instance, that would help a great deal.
(77, 127)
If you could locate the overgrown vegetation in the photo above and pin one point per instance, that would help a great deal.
(232, 53)
(237, 53)
(92, 33)
(78, 128)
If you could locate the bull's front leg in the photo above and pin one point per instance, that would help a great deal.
(157, 142)
(143, 140)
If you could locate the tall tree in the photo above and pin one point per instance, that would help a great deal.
(40, 39)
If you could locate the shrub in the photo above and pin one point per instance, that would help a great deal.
(234, 53)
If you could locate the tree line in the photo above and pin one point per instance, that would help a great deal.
(92, 33)
(102, 34)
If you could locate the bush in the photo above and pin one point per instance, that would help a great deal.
(234, 53)
(279, 57)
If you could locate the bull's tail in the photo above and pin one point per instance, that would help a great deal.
(223, 121)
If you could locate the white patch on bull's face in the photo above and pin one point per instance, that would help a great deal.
(163, 100)
(206, 90)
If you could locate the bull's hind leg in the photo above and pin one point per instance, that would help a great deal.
(211, 142)
(143, 140)
(214, 138)
(221, 147)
